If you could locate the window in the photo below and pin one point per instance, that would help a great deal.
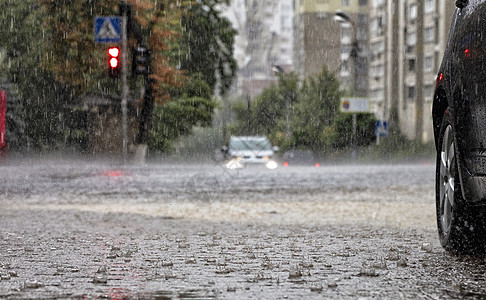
(345, 34)
(411, 93)
(412, 13)
(429, 63)
(345, 2)
(377, 71)
(344, 68)
(377, 95)
(345, 51)
(428, 92)
(374, 25)
(411, 65)
(378, 47)
(412, 39)
(429, 34)
(429, 6)
(362, 33)
(378, 3)
(363, 2)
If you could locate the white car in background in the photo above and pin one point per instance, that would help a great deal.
(244, 150)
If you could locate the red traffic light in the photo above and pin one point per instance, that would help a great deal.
(114, 51)
(113, 61)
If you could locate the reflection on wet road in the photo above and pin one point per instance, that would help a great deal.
(100, 230)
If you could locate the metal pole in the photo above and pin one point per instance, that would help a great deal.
(355, 87)
(353, 139)
(124, 81)
(287, 118)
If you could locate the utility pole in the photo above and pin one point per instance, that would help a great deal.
(124, 100)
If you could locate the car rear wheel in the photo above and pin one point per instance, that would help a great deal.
(460, 227)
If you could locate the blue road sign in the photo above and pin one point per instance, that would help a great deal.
(107, 29)
(381, 128)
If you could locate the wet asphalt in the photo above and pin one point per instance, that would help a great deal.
(96, 229)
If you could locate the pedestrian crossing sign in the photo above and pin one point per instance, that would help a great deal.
(107, 29)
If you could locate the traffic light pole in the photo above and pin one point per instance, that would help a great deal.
(124, 100)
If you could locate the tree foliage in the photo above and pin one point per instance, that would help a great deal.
(310, 111)
(77, 61)
(52, 58)
(41, 121)
(207, 45)
(340, 134)
(316, 111)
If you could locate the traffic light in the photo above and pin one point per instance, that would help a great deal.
(114, 61)
(140, 61)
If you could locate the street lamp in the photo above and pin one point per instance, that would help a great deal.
(342, 17)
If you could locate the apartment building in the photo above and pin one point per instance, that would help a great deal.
(264, 40)
(407, 40)
(321, 40)
(401, 44)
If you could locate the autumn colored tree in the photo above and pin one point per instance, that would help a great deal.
(53, 58)
(77, 61)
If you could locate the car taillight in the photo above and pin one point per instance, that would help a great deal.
(439, 79)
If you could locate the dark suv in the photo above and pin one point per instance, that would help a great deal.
(459, 116)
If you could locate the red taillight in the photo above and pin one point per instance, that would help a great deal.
(439, 79)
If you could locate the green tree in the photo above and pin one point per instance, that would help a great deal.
(313, 109)
(340, 133)
(267, 113)
(178, 118)
(42, 111)
(316, 110)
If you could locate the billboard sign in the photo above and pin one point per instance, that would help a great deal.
(354, 105)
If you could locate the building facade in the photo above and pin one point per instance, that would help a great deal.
(264, 40)
(400, 49)
(321, 40)
(407, 40)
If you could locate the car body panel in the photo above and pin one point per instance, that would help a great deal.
(461, 92)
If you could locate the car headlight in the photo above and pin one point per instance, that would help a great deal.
(234, 164)
(271, 165)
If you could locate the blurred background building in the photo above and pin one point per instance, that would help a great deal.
(398, 43)
(407, 41)
(321, 40)
(265, 40)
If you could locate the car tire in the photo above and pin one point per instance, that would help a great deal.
(460, 226)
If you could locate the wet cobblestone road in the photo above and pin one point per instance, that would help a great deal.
(98, 230)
